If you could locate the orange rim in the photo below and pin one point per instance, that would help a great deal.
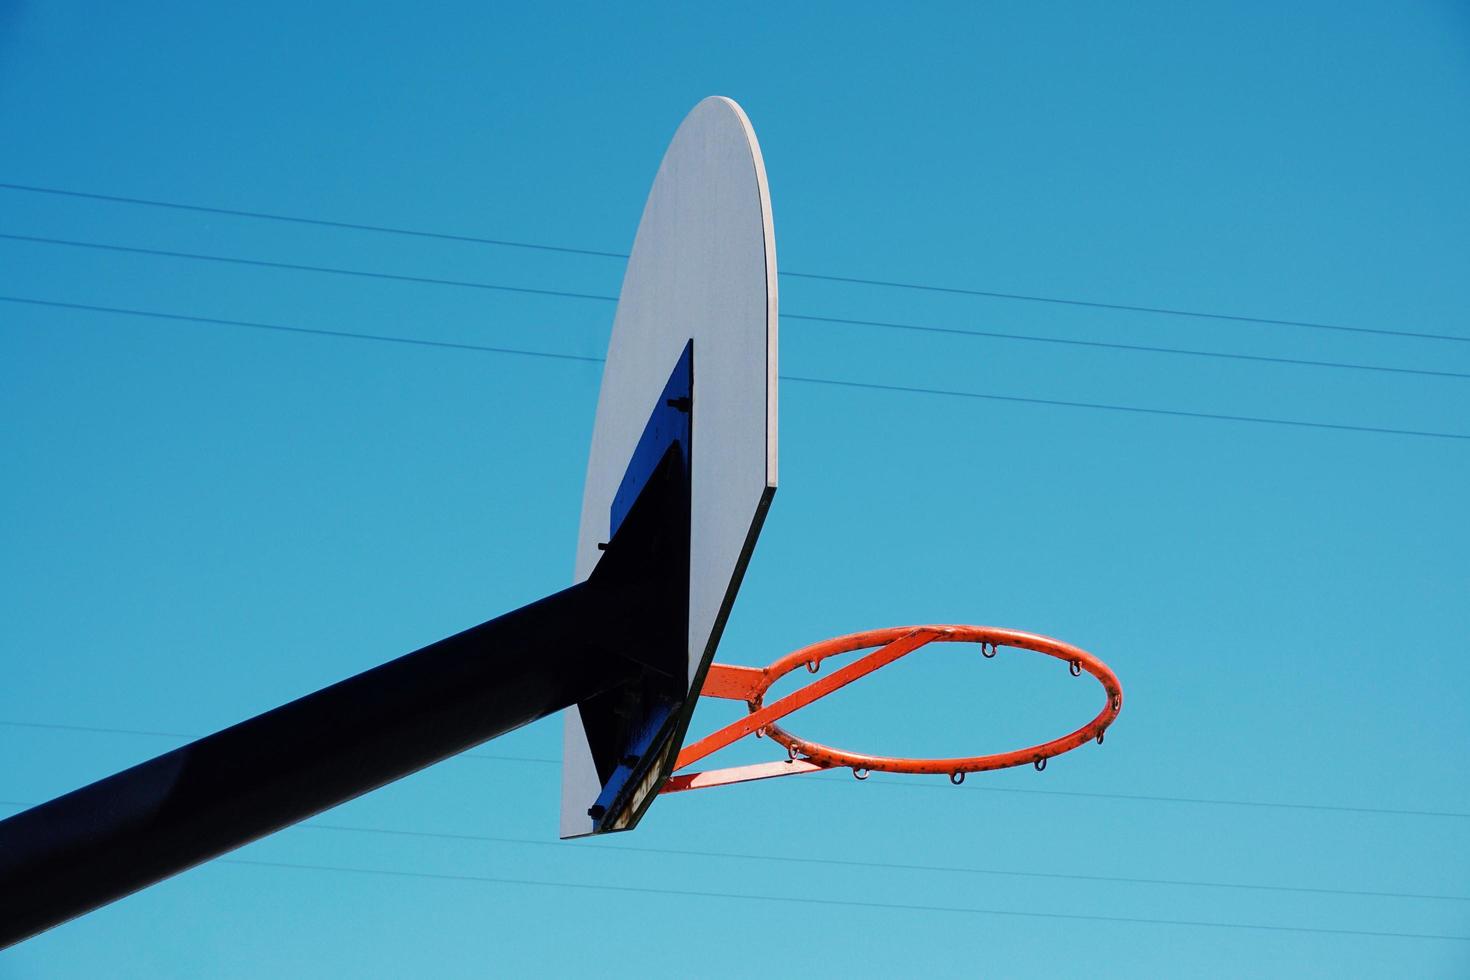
(750, 684)
(1035, 755)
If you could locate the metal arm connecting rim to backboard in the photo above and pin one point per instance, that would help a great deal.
(750, 684)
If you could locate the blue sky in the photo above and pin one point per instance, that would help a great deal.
(202, 521)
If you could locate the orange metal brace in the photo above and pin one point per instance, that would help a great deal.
(750, 684)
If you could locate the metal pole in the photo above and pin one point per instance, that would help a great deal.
(99, 843)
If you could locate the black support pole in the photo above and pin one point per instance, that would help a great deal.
(616, 645)
(99, 843)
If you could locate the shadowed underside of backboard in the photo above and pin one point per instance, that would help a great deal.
(630, 728)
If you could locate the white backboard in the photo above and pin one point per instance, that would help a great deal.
(702, 268)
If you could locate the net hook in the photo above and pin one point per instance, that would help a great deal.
(982, 650)
(859, 773)
(957, 777)
(1040, 763)
(813, 666)
(1075, 667)
(1099, 737)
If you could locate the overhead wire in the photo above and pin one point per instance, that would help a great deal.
(1128, 308)
(297, 267)
(888, 865)
(311, 331)
(319, 222)
(852, 903)
(884, 283)
(851, 863)
(892, 783)
(799, 379)
(1137, 409)
(808, 317)
(1113, 345)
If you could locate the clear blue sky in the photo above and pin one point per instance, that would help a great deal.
(199, 522)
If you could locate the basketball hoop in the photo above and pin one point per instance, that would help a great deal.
(750, 684)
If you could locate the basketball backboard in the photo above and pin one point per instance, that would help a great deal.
(689, 393)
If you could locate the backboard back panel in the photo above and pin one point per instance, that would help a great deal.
(701, 276)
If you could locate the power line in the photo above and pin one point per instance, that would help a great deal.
(295, 219)
(887, 865)
(1192, 800)
(877, 865)
(1090, 304)
(885, 283)
(312, 331)
(1111, 345)
(878, 780)
(94, 730)
(872, 386)
(1136, 409)
(849, 863)
(845, 903)
(841, 903)
(813, 318)
(295, 267)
